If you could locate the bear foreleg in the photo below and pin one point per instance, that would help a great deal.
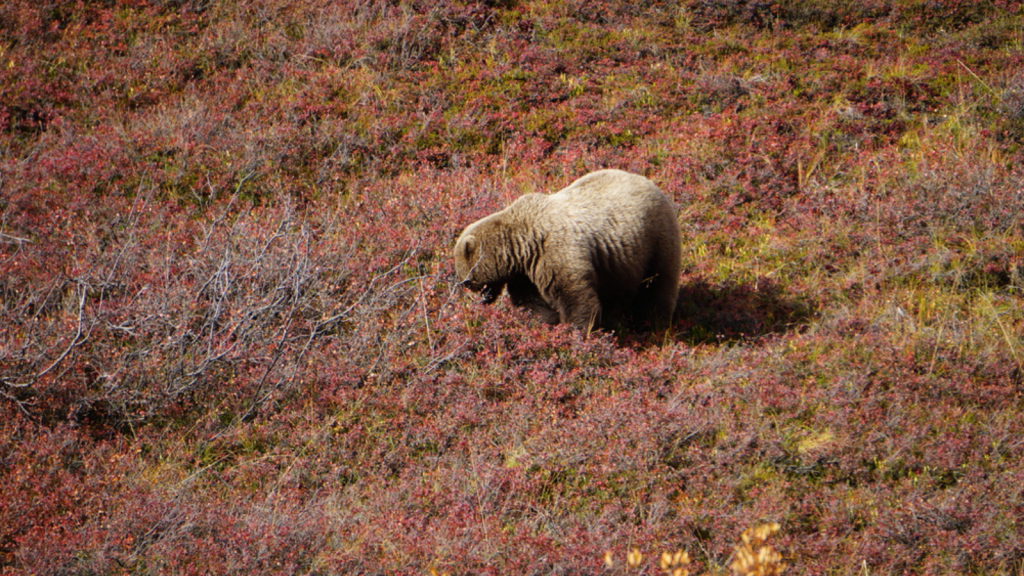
(577, 303)
(523, 293)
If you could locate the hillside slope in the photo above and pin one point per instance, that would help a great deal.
(231, 342)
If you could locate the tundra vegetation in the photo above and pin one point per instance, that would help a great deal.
(230, 341)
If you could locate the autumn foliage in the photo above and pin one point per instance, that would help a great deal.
(231, 341)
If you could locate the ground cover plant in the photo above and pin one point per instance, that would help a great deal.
(230, 339)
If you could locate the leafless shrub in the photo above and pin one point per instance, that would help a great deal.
(142, 326)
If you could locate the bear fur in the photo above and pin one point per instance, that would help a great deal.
(604, 248)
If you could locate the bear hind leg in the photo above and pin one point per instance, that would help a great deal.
(656, 302)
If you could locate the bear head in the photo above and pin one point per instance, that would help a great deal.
(476, 260)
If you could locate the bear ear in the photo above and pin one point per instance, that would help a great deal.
(469, 245)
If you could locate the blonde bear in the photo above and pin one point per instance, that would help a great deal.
(604, 249)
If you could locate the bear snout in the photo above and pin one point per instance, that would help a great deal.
(491, 292)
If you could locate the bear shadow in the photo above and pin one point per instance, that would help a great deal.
(717, 313)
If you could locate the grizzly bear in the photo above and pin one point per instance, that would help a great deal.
(605, 248)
